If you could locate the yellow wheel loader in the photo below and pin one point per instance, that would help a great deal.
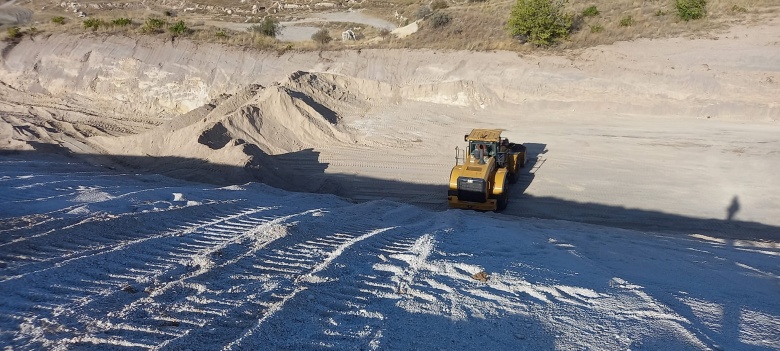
(489, 164)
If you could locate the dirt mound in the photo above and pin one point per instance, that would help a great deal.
(344, 94)
(242, 132)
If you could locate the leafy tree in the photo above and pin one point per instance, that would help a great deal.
(322, 36)
(590, 11)
(691, 9)
(423, 11)
(179, 28)
(121, 22)
(154, 25)
(93, 23)
(13, 33)
(541, 22)
(268, 27)
(440, 19)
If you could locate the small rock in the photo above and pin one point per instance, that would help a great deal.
(481, 276)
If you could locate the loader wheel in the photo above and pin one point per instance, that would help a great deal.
(503, 200)
(513, 177)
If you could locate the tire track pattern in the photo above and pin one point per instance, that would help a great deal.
(221, 273)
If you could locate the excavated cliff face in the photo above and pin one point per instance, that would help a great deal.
(158, 78)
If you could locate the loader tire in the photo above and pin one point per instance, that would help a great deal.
(503, 200)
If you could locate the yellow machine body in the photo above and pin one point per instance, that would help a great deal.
(489, 164)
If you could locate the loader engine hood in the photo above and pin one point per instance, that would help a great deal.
(469, 181)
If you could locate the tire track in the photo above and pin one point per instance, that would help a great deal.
(159, 264)
(340, 300)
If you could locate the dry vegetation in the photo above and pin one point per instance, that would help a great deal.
(472, 24)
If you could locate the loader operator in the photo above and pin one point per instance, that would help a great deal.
(479, 153)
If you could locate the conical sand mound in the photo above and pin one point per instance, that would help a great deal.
(241, 131)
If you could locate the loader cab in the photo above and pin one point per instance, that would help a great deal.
(491, 148)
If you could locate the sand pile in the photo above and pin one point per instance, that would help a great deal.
(238, 135)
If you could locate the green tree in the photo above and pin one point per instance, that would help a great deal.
(691, 9)
(121, 22)
(94, 23)
(541, 22)
(322, 36)
(440, 19)
(153, 25)
(591, 11)
(268, 27)
(179, 28)
(13, 33)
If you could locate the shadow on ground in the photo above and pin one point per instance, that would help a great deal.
(310, 176)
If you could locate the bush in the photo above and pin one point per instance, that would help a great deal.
(691, 9)
(384, 33)
(220, 34)
(590, 11)
(438, 5)
(178, 29)
(596, 29)
(268, 27)
(321, 36)
(153, 25)
(168, 13)
(121, 22)
(660, 13)
(440, 19)
(58, 20)
(423, 11)
(13, 33)
(93, 23)
(626, 21)
(542, 22)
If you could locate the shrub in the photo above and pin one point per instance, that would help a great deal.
(153, 25)
(440, 19)
(438, 5)
(321, 36)
(384, 32)
(691, 9)
(13, 33)
(220, 34)
(58, 20)
(93, 23)
(268, 27)
(660, 13)
(596, 29)
(738, 9)
(178, 29)
(121, 22)
(626, 21)
(590, 11)
(168, 13)
(423, 11)
(542, 22)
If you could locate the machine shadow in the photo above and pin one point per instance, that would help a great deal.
(310, 176)
(533, 162)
